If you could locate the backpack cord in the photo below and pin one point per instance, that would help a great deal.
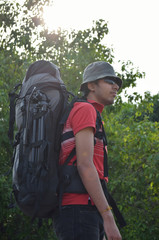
(12, 97)
(112, 203)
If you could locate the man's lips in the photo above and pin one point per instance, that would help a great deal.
(114, 94)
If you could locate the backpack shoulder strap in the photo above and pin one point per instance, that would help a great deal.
(68, 109)
(102, 135)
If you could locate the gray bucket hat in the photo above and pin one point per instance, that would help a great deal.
(98, 70)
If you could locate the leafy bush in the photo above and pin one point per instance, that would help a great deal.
(134, 179)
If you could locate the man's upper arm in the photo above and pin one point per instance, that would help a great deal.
(85, 146)
(83, 116)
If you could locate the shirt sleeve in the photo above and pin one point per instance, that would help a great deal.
(83, 115)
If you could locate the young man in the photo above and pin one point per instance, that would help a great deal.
(87, 216)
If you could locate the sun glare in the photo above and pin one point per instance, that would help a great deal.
(50, 18)
(55, 18)
(63, 15)
(67, 15)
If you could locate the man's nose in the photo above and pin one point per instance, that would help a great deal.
(115, 86)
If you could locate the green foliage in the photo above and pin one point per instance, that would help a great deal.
(148, 107)
(134, 161)
(132, 128)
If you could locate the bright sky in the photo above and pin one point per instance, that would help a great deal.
(133, 31)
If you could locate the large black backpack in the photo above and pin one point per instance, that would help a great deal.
(38, 107)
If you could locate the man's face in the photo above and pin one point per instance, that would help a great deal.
(104, 92)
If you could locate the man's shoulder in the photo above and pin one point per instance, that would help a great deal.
(81, 109)
(83, 105)
(82, 115)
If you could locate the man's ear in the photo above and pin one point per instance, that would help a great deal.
(91, 86)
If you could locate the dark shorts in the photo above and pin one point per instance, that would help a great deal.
(78, 222)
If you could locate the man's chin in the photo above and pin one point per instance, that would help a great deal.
(110, 102)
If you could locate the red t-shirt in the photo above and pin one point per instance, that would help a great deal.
(82, 115)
